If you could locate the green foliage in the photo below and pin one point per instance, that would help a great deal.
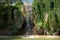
(38, 10)
(51, 7)
(10, 16)
(19, 4)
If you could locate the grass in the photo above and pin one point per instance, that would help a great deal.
(33, 39)
(39, 38)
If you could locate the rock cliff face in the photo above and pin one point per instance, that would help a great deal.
(11, 20)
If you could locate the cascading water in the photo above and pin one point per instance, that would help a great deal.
(29, 17)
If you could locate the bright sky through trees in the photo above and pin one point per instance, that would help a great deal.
(28, 1)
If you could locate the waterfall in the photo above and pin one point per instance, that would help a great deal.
(29, 17)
